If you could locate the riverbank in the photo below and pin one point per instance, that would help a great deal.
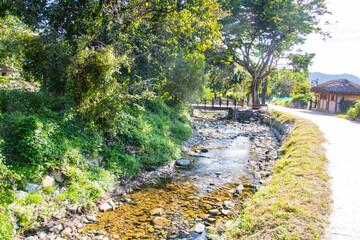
(63, 219)
(226, 161)
(296, 201)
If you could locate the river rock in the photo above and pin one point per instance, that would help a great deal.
(20, 194)
(239, 188)
(31, 238)
(56, 228)
(214, 212)
(232, 191)
(159, 221)
(272, 155)
(257, 175)
(48, 181)
(120, 192)
(204, 150)
(210, 220)
(91, 218)
(182, 163)
(105, 206)
(32, 187)
(225, 212)
(157, 211)
(41, 235)
(219, 226)
(57, 175)
(183, 233)
(199, 228)
(66, 232)
(229, 204)
(72, 208)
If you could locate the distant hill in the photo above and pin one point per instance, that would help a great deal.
(328, 77)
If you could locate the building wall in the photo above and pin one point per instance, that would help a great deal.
(333, 101)
(332, 105)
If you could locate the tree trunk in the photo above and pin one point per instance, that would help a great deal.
(255, 91)
(264, 91)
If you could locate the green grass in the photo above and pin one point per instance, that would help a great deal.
(296, 201)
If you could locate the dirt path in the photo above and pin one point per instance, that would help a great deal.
(343, 152)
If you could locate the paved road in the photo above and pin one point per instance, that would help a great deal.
(343, 152)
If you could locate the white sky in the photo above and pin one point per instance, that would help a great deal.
(341, 53)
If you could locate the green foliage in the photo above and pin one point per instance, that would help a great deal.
(346, 105)
(7, 179)
(90, 76)
(286, 83)
(354, 112)
(184, 78)
(155, 134)
(27, 138)
(226, 77)
(301, 100)
(46, 62)
(259, 33)
(72, 37)
(6, 228)
(88, 184)
(13, 37)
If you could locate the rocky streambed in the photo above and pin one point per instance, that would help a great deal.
(224, 162)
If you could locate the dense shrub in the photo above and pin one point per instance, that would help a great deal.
(345, 105)
(6, 228)
(7, 178)
(354, 112)
(300, 100)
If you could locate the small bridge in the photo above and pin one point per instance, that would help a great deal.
(218, 104)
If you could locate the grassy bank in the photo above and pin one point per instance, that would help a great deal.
(41, 134)
(296, 201)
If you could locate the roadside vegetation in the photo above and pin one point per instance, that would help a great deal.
(354, 112)
(296, 201)
(289, 88)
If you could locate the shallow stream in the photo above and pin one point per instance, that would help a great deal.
(204, 195)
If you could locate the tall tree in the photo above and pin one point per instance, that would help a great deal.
(261, 32)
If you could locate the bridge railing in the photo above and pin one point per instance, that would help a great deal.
(220, 102)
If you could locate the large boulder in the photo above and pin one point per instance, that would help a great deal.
(182, 163)
(32, 187)
(48, 181)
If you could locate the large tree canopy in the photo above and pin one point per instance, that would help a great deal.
(141, 34)
(261, 32)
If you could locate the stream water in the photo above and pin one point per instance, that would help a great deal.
(202, 196)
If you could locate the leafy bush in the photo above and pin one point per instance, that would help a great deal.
(301, 100)
(6, 228)
(7, 179)
(27, 143)
(87, 185)
(345, 105)
(354, 112)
